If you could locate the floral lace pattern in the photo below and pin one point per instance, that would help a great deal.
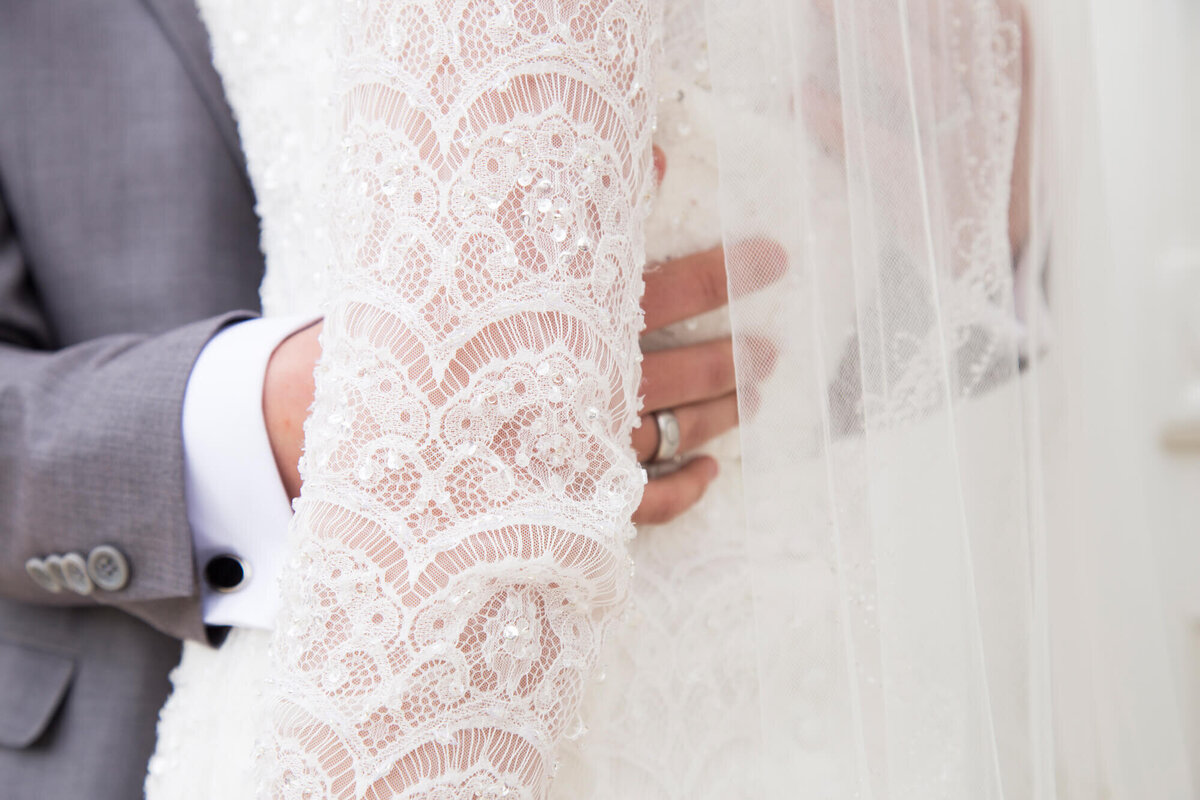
(468, 475)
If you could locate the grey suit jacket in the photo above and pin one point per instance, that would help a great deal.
(127, 236)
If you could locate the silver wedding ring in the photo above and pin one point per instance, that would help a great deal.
(668, 435)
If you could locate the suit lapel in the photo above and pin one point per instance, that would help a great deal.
(184, 29)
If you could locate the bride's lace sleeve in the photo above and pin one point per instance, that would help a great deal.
(460, 540)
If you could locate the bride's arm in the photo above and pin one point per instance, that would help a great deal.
(468, 476)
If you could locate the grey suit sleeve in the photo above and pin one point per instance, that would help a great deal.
(91, 453)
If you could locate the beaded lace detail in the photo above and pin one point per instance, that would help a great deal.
(468, 475)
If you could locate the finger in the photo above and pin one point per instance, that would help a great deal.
(756, 361)
(750, 401)
(660, 165)
(682, 375)
(693, 284)
(667, 497)
(756, 264)
(698, 423)
(684, 287)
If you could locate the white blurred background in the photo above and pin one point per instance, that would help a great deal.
(1148, 54)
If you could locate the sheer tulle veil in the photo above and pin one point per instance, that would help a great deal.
(943, 437)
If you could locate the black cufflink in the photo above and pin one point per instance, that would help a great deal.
(226, 573)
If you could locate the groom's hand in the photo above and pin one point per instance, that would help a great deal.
(288, 389)
(695, 381)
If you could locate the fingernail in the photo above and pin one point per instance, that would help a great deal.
(758, 263)
(763, 355)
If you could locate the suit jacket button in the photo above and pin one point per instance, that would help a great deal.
(36, 569)
(75, 574)
(54, 567)
(226, 573)
(108, 568)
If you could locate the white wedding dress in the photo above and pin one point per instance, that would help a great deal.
(669, 710)
(920, 573)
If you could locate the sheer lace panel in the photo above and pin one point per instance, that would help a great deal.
(468, 474)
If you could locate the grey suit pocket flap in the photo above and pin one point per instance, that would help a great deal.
(32, 686)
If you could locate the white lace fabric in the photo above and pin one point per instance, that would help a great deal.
(468, 477)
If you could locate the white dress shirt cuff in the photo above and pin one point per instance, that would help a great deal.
(235, 497)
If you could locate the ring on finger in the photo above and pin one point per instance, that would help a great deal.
(669, 438)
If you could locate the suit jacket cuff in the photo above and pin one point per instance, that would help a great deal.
(100, 462)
